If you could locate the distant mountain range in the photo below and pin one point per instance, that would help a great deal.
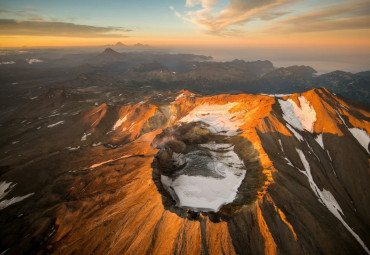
(134, 46)
(162, 70)
(201, 74)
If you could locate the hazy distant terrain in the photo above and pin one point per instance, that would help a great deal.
(26, 73)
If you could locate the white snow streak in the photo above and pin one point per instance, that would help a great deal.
(289, 162)
(73, 148)
(281, 146)
(362, 137)
(275, 95)
(5, 203)
(84, 137)
(344, 107)
(5, 188)
(119, 122)
(341, 118)
(327, 199)
(108, 161)
(180, 96)
(34, 60)
(56, 124)
(319, 140)
(295, 133)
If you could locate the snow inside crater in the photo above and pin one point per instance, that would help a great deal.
(218, 117)
(208, 180)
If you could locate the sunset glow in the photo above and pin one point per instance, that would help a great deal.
(186, 23)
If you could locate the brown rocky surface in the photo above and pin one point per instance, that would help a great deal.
(96, 198)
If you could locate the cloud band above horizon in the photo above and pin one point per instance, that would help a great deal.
(54, 28)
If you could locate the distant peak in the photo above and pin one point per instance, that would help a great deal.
(110, 52)
(140, 45)
(120, 44)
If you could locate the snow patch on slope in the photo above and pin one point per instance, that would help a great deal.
(84, 137)
(5, 203)
(302, 118)
(319, 140)
(295, 133)
(5, 188)
(218, 117)
(56, 124)
(119, 122)
(362, 137)
(327, 199)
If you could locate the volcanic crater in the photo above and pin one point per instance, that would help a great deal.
(199, 172)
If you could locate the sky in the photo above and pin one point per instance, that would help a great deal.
(334, 26)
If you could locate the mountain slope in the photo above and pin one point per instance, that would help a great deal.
(305, 190)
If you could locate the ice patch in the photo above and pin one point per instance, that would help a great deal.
(319, 140)
(218, 117)
(303, 117)
(119, 122)
(327, 199)
(362, 137)
(56, 124)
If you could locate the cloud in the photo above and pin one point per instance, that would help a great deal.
(236, 13)
(346, 16)
(54, 28)
(27, 13)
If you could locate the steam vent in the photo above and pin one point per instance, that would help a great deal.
(223, 174)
